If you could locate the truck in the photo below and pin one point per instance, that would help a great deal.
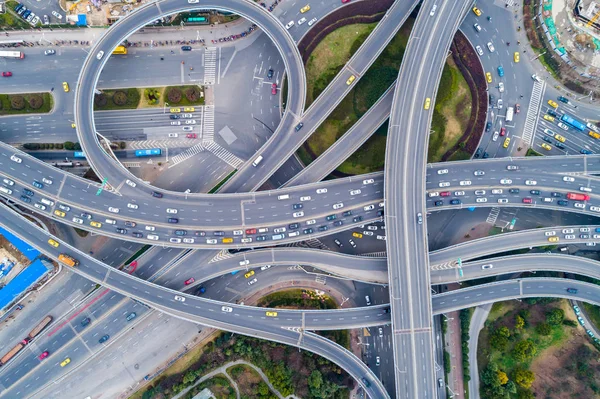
(12, 54)
(11, 353)
(39, 328)
(510, 111)
(578, 196)
(68, 260)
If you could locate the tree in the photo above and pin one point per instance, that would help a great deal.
(120, 98)
(17, 102)
(100, 100)
(35, 101)
(555, 316)
(502, 377)
(519, 322)
(499, 338)
(511, 387)
(543, 329)
(524, 350)
(69, 145)
(524, 378)
(174, 95)
(263, 389)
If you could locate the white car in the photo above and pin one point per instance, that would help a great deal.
(246, 240)
(490, 47)
(174, 123)
(47, 181)
(298, 214)
(530, 182)
(188, 128)
(536, 78)
(503, 200)
(381, 238)
(190, 122)
(586, 189)
(369, 181)
(113, 210)
(431, 14)
(570, 237)
(193, 1)
(433, 194)
(595, 208)
(479, 50)
(244, 262)
(367, 233)
(339, 205)
(171, 210)
(312, 21)
(16, 159)
(254, 280)
(512, 167)
(495, 136)
(130, 183)
(40, 206)
(442, 171)
(477, 27)
(369, 207)
(355, 192)
(8, 182)
(479, 173)
(305, 198)
(584, 230)
(550, 233)
(465, 182)
(99, 55)
(568, 231)
(189, 240)
(150, 228)
(226, 309)
(505, 181)
(481, 199)
(211, 241)
(152, 237)
(321, 191)
(301, 20)
(549, 132)
(57, 15)
(459, 193)
(289, 25)
(132, 206)
(501, 87)
(563, 126)
(265, 267)
(179, 298)
(479, 192)
(579, 205)
(238, 232)
(497, 191)
(444, 184)
(312, 221)
(175, 240)
(292, 234)
(488, 266)
(381, 204)
(77, 220)
(568, 178)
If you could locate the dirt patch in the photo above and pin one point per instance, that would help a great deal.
(247, 380)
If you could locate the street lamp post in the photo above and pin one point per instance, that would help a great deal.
(165, 107)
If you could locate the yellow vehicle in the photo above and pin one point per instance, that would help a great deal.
(506, 142)
(68, 260)
(227, 240)
(66, 87)
(55, 244)
(249, 274)
(546, 147)
(488, 77)
(350, 80)
(65, 362)
(96, 224)
(120, 50)
(477, 11)
(427, 103)
(357, 235)
(516, 56)
(594, 135)
(553, 104)
(549, 118)
(73, 125)
(175, 110)
(272, 314)
(305, 8)
(59, 213)
(560, 138)
(189, 109)
(553, 239)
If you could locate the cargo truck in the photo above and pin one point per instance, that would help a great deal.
(40, 327)
(578, 197)
(6, 358)
(510, 111)
(68, 260)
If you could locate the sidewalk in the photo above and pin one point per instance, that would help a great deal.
(454, 348)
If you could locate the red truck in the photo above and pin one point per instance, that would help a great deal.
(578, 197)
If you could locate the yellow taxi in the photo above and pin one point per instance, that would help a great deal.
(54, 243)
(227, 240)
(59, 213)
(506, 142)
(96, 224)
(549, 118)
(65, 362)
(488, 77)
(553, 104)
(249, 274)
(553, 239)
(272, 314)
(546, 147)
(477, 11)
(73, 125)
(189, 109)
(427, 103)
(175, 110)
(516, 56)
(357, 235)
(350, 80)
(594, 135)
(66, 87)
(305, 8)
(560, 138)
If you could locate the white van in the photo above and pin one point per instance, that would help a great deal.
(5, 190)
(283, 197)
(278, 237)
(111, 221)
(46, 201)
(263, 230)
(257, 161)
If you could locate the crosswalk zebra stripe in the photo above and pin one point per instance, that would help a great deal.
(532, 112)
(223, 154)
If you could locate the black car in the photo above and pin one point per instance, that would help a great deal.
(563, 99)
(553, 113)
(492, 99)
(454, 202)
(478, 153)
(200, 233)
(486, 155)
(514, 191)
(438, 203)
(330, 217)
(347, 213)
(293, 226)
(270, 74)
(180, 232)
(557, 195)
(137, 234)
(299, 126)
(297, 206)
(103, 339)
(572, 290)
(584, 236)
(157, 195)
(534, 192)
(322, 228)
(173, 220)
(186, 48)
(488, 126)
(121, 231)
(28, 192)
(547, 139)
(86, 215)
(130, 224)
(562, 202)
(174, 116)
(338, 223)
(308, 231)
(261, 238)
(218, 233)
(85, 322)
(560, 145)
(380, 212)
(25, 199)
(357, 219)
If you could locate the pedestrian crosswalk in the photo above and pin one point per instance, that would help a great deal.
(223, 154)
(493, 216)
(190, 152)
(210, 66)
(532, 112)
(132, 164)
(208, 123)
(382, 254)
(321, 279)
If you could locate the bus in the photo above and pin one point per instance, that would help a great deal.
(569, 120)
(150, 152)
(79, 154)
(68, 260)
(120, 50)
(12, 54)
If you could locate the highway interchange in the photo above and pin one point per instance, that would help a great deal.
(401, 214)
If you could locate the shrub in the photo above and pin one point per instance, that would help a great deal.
(100, 100)
(174, 95)
(122, 145)
(31, 146)
(69, 145)
(17, 102)
(36, 101)
(120, 98)
(543, 329)
(58, 146)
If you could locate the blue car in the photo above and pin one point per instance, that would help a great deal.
(500, 71)
(587, 152)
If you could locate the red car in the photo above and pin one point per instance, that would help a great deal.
(345, 1)
(191, 136)
(274, 88)
(527, 200)
(250, 231)
(6, 74)
(503, 131)
(445, 193)
(189, 281)
(517, 108)
(43, 355)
